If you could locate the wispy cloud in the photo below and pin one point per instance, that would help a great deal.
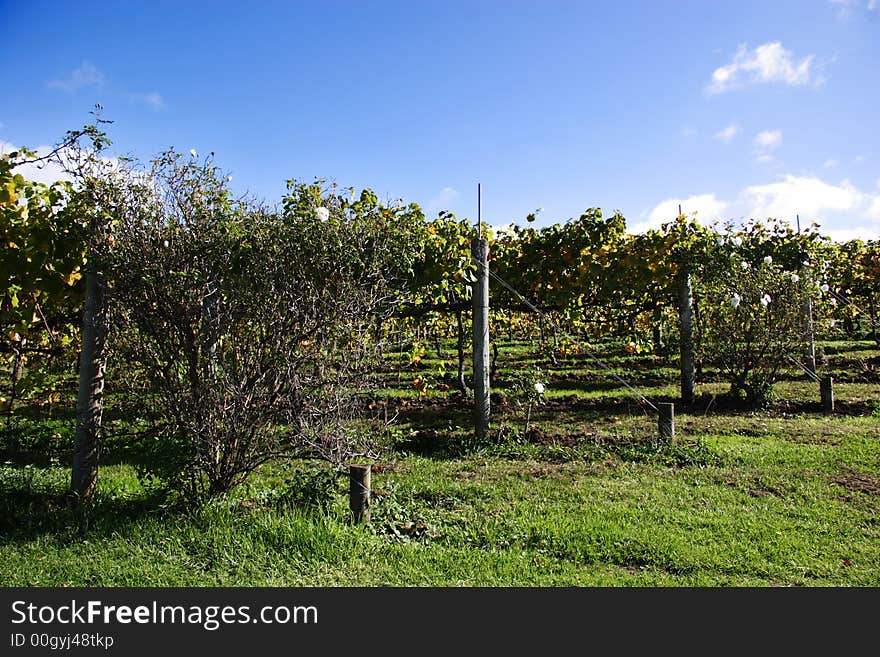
(86, 75)
(765, 142)
(768, 139)
(728, 133)
(849, 9)
(442, 200)
(152, 99)
(767, 63)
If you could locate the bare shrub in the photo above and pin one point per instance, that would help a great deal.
(251, 323)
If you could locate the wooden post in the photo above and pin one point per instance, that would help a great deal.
(462, 384)
(90, 401)
(826, 393)
(808, 310)
(686, 329)
(657, 330)
(359, 493)
(666, 422)
(399, 350)
(812, 349)
(480, 252)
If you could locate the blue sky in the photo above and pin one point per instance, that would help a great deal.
(734, 109)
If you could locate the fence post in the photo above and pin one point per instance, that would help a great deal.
(480, 252)
(826, 393)
(666, 422)
(359, 492)
(686, 336)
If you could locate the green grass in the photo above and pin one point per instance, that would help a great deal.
(781, 497)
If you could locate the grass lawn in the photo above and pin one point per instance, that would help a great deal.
(585, 497)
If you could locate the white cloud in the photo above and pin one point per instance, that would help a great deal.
(842, 211)
(763, 158)
(830, 163)
(442, 200)
(43, 172)
(874, 207)
(152, 99)
(769, 62)
(707, 207)
(503, 228)
(873, 211)
(728, 133)
(768, 139)
(847, 234)
(87, 75)
(51, 171)
(807, 196)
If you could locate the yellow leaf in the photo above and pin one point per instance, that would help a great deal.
(73, 277)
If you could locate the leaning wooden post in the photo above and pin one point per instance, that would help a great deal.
(359, 493)
(826, 393)
(480, 252)
(666, 422)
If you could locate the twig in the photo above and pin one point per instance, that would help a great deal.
(709, 405)
(46, 324)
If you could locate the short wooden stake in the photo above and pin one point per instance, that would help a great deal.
(359, 493)
(826, 393)
(666, 421)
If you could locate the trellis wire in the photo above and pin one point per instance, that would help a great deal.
(806, 369)
(556, 326)
(844, 300)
